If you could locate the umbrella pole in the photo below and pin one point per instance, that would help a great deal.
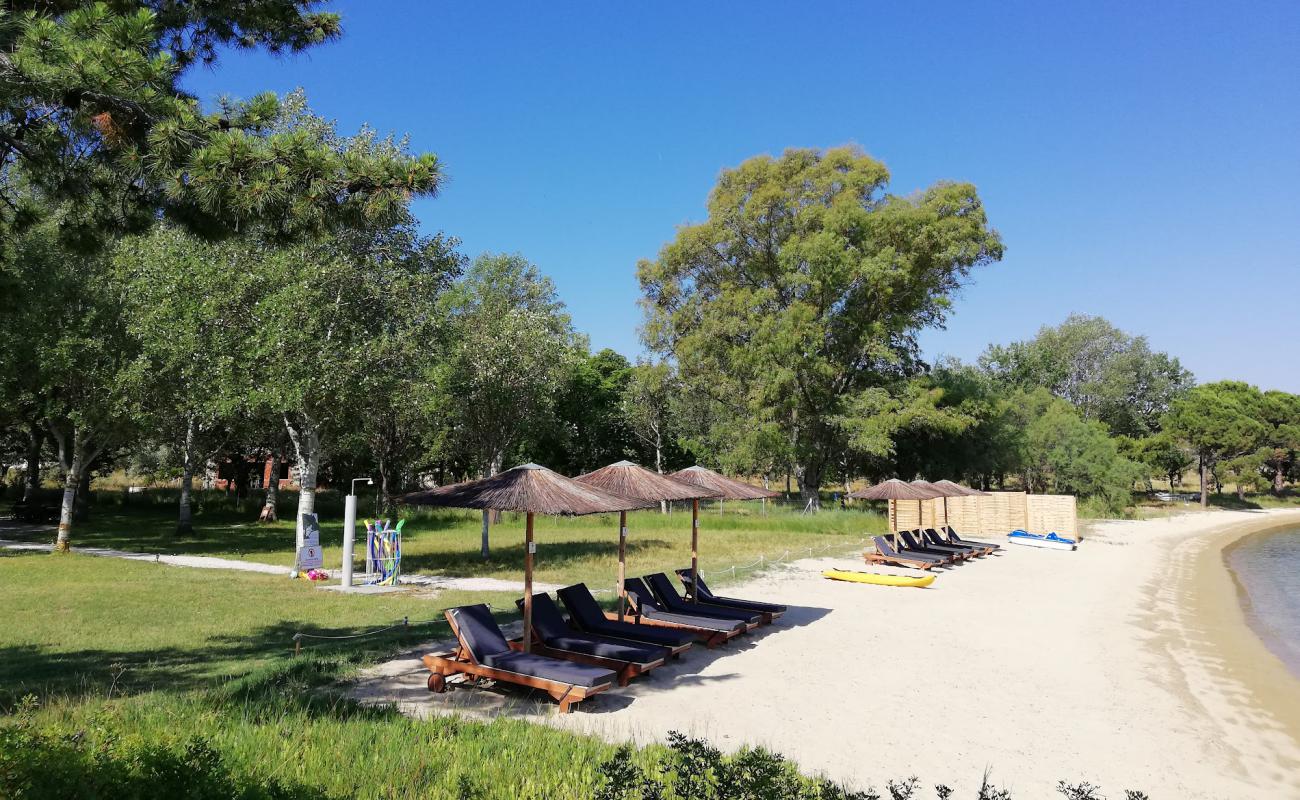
(695, 549)
(528, 583)
(622, 562)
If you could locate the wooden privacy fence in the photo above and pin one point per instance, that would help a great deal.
(995, 514)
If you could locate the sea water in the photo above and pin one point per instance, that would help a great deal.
(1267, 566)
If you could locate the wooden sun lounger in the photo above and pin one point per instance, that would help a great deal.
(913, 545)
(484, 653)
(672, 600)
(932, 537)
(647, 612)
(885, 554)
(770, 611)
(554, 638)
(955, 539)
(585, 614)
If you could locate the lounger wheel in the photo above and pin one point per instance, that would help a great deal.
(437, 683)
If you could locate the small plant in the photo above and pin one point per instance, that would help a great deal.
(903, 790)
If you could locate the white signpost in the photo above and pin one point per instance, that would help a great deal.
(309, 555)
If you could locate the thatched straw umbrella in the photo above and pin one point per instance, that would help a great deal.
(626, 479)
(955, 490)
(894, 489)
(528, 489)
(718, 486)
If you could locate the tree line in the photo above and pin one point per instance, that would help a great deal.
(185, 288)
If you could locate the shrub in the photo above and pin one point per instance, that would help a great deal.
(36, 764)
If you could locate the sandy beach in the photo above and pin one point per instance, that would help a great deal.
(1127, 664)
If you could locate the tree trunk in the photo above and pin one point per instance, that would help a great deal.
(272, 490)
(1279, 478)
(81, 503)
(659, 465)
(75, 453)
(307, 452)
(810, 484)
(487, 525)
(70, 481)
(1205, 483)
(32, 480)
(185, 517)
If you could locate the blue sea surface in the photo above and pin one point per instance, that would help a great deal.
(1267, 566)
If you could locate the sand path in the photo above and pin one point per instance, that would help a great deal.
(1125, 664)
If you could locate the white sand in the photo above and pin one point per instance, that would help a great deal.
(1126, 664)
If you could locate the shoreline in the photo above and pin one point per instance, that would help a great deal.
(1220, 608)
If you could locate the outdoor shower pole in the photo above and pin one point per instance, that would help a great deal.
(695, 550)
(350, 530)
(622, 562)
(349, 536)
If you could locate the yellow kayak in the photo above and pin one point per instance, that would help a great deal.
(877, 578)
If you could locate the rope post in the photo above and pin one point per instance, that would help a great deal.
(297, 644)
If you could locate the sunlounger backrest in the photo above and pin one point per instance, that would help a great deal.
(641, 595)
(547, 619)
(883, 547)
(478, 631)
(582, 604)
(664, 587)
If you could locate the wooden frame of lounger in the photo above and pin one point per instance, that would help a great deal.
(975, 549)
(710, 638)
(626, 670)
(956, 556)
(461, 662)
(704, 608)
(872, 557)
(766, 617)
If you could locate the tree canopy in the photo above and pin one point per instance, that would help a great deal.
(800, 296)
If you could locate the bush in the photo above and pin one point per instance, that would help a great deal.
(36, 764)
(694, 769)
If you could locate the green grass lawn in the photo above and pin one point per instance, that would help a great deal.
(115, 655)
(446, 542)
(116, 651)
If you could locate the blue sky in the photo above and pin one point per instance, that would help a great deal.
(1141, 160)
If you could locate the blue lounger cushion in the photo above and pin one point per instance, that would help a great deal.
(551, 669)
(488, 646)
(649, 608)
(887, 550)
(550, 627)
(708, 596)
(586, 613)
(674, 602)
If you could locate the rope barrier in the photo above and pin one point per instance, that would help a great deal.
(299, 636)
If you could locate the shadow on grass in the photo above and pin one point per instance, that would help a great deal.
(1231, 502)
(258, 666)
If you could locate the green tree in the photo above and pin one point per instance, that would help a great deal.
(511, 349)
(93, 113)
(647, 407)
(801, 294)
(190, 308)
(1246, 472)
(1219, 422)
(1280, 413)
(588, 429)
(84, 376)
(1063, 453)
(1104, 372)
(1164, 456)
(339, 323)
